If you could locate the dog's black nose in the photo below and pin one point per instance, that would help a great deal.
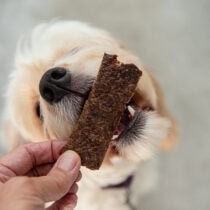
(54, 84)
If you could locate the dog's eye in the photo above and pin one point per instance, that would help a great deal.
(38, 112)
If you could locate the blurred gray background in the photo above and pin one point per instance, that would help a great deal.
(172, 37)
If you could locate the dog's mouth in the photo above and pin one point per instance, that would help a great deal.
(131, 122)
(127, 120)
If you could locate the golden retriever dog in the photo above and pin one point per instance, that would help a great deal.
(55, 67)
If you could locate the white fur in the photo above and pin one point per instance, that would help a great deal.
(155, 130)
(56, 44)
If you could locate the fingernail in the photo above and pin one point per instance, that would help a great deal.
(68, 160)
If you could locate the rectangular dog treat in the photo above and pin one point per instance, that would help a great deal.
(112, 90)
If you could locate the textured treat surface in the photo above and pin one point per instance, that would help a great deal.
(112, 90)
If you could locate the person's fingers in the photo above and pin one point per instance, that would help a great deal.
(69, 201)
(79, 177)
(24, 158)
(73, 189)
(59, 180)
(41, 170)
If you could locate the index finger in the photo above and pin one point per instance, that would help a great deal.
(24, 158)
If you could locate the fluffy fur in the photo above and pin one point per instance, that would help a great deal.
(79, 48)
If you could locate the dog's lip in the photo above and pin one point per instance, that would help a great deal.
(76, 93)
(82, 92)
(81, 95)
(127, 120)
(124, 127)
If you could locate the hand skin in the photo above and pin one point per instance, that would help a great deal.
(34, 174)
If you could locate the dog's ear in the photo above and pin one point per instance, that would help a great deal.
(170, 141)
(11, 137)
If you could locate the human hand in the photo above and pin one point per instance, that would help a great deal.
(34, 174)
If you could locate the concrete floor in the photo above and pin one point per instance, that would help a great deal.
(172, 37)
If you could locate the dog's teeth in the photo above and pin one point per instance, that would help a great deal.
(131, 110)
(114, 137)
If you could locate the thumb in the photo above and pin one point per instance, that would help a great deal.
(60, 179)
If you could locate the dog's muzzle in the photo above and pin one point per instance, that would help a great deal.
(55, 84)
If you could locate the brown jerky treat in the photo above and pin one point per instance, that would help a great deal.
(112, 90)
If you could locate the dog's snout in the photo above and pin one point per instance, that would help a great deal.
(54, 84)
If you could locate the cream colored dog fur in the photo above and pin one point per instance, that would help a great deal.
(79, 48)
